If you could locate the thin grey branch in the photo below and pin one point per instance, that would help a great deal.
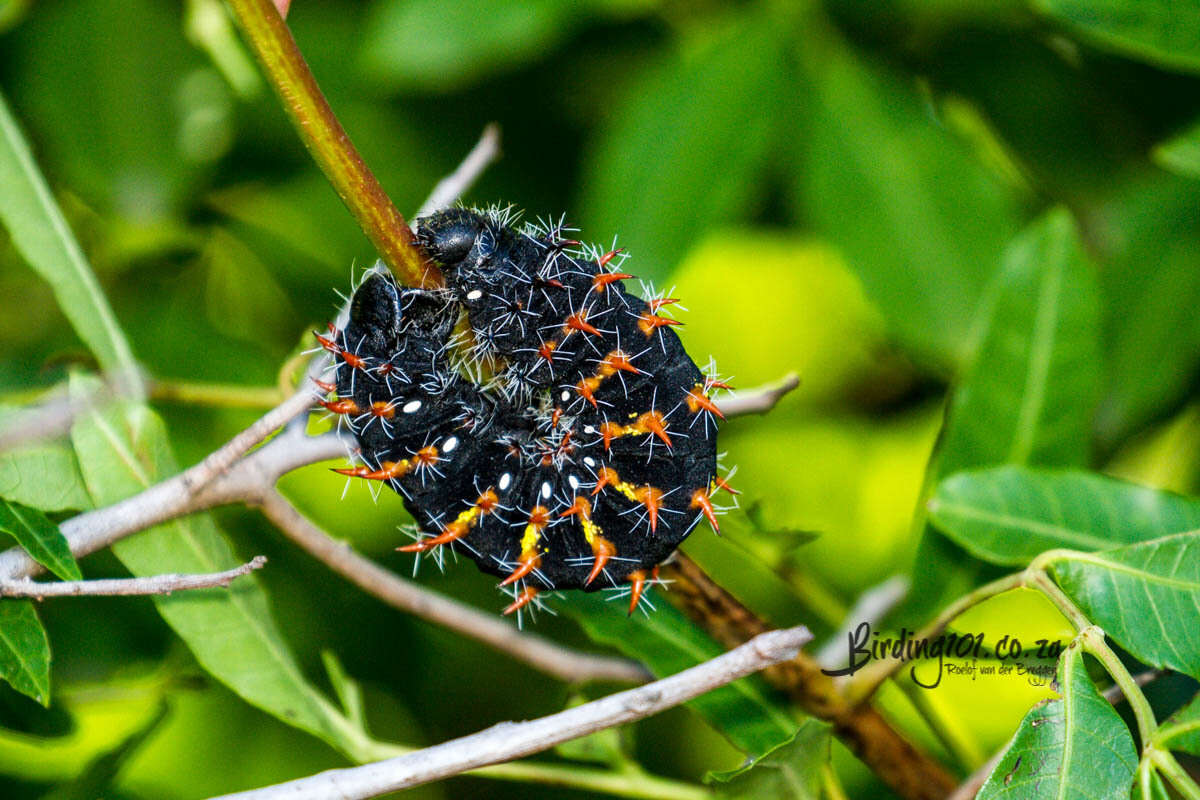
(454, 185)
(247, 479)
(220, 460)
(511, 740)
(873, 605)
(1114, 695)
(566, 665)
(757, 401)
(156, 584)
(252, 480)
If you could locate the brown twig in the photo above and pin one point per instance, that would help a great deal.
(123, 587)
(328, 143)
(907, 771)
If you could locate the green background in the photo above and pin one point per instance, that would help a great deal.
(830, 189)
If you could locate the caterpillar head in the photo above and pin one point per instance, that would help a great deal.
(449, 236)
(385, 318)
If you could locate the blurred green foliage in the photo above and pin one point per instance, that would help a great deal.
(897, 200)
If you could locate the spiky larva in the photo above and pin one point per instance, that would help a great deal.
(590, 453)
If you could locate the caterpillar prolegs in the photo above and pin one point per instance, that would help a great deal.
(585, 459)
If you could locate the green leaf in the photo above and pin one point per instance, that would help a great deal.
(96, 716)
(667, 642)
(1152, 337)
(41, 235)
(348, 690)
(1161, 32)
(1182, 730)
(242, 298)
(1149, 785)
(920, 219)
(1076, 748)
(693, 138)
(436, 45)
(602, 747)
(24, 650)
(1028, 395)
(43, 475)
(791, 771)
(1032, 386)
(122, 449)
(1145, 596)
(40, 537)
(1181, 153)
(1007, 515)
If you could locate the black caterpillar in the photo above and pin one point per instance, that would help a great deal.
(592, 450)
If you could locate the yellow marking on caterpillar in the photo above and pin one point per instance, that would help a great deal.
(583, 509)
(590, 529)
(539, 518)
(649, 422)
(529, 539)
(468, 517)
(626, 488)
(607, 476)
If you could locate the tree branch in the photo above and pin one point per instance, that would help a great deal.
(328, 143)
(156, 584)
(757, 401)
(909, 772)
(566, 665)
(252, 480)
(511, 740)
(226, 476)
(872, 606)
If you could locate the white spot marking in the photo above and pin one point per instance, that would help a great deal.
(412, 406)
(546, 490)
(589, 428)
(591, 462)
(505, 482)
(571, 479)
(474, 294)
(449, 445)
(565, 396)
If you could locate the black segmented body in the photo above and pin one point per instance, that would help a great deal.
(587, 458)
